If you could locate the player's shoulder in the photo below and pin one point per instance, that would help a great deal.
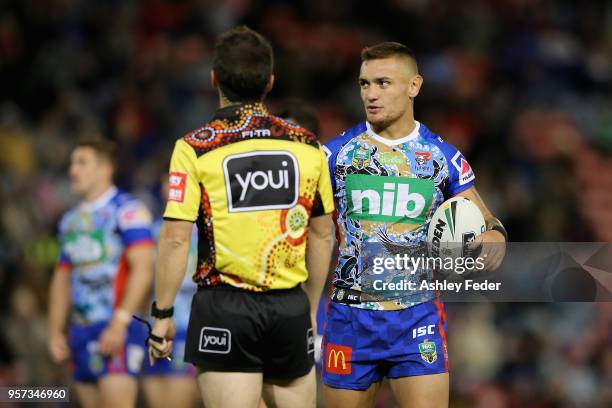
(447, 148)
(334, 145)
(66, 217)
(131, 212)
(122, 198)
(457, 163)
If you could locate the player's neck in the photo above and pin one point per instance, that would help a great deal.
(396, 130)
(98, 191)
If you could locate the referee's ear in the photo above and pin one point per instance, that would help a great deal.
(269, 85)
(213, 80)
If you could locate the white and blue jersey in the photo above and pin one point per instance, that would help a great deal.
(94, 238)
(386, 192)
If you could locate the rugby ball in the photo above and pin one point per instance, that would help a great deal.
(454, 224)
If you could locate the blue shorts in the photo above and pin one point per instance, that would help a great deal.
(90, 365)
(361, 346)
(176, 367)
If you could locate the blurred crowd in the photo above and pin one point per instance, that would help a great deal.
(522, 87)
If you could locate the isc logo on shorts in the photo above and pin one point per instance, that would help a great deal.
(261, 180)
(215, 340)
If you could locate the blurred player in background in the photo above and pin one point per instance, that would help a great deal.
(389, 175)
(257, 186)
(103, 276)
(173, 382)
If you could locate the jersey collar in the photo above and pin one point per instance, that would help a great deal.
(100, 201)
(393, 142)
(251, 108)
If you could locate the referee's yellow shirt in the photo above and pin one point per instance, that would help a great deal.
(251, 181)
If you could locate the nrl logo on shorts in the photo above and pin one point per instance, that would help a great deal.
(428, 351)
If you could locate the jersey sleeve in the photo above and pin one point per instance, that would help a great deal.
(324, 198)
(183, 187)
(135, 223)
(460, 173)
(63, 260)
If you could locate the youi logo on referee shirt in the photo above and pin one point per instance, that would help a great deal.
(388, 199)
(261, 180)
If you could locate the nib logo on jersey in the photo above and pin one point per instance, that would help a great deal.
(261, 180)
(388, 199)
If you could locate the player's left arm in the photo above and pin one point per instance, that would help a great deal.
(493, 240)
(135, 226)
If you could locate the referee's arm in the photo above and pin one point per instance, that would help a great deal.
(318, 255)
(173, 252)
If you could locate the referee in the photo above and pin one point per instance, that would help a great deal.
(258, 189)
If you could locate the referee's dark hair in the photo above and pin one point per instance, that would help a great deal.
(386, 50)
(243, 64)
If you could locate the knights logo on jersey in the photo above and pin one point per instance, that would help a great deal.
(361, 158)
(421, 163)
(422, 157)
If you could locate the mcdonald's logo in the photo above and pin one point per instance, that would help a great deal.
(338, 359)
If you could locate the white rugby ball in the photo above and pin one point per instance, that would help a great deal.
(455, 223)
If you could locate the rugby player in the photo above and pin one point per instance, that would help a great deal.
(257, 186)
(103, 276)
(173, 382)
(389, 174)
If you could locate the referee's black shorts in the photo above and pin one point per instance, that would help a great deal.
(234, 330)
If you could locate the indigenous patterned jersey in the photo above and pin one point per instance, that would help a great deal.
(94, 238)
(386, 192)
(252, 181)
(182, 303)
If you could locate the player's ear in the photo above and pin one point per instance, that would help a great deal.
(213, 80)
(415, 85)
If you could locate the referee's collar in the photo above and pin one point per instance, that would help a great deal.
(240, 109)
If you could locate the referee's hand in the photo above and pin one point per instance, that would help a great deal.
(166, 329)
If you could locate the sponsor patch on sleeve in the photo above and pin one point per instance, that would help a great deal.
(466, 174)
(177, 185)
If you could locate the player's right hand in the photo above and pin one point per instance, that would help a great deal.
(58, 347)
(166, 329)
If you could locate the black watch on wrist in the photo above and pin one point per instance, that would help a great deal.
(161, 313)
